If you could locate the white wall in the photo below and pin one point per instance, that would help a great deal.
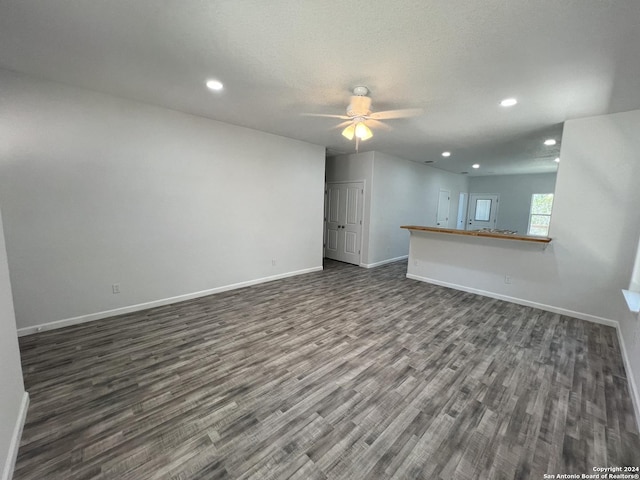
(406, 193)
(515, 196)
(595, 230)
(98, 190)
(634, 284)
(12, 394)
(599, 179)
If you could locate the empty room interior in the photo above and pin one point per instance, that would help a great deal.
(319, 240)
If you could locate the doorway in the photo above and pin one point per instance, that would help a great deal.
(344, 207)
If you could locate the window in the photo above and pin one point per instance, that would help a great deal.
(483, 210)
(540, 214)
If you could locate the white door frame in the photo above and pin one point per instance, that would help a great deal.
(440, 221)
(362, 215)
(473, 224)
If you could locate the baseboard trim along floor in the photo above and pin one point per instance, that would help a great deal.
(384, 262)
(635, 395)
(346, 373)
(157, 303)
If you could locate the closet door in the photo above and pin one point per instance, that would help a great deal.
(344, 221)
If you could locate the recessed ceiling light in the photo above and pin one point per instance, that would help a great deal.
(214, 85)
(446, 154)
(475, 165)
(550, 141)
(508, 102)
(557, 160)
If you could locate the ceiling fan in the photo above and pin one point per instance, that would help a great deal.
(360, 119)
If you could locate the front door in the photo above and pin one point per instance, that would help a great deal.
(483, 211)
(344, 221)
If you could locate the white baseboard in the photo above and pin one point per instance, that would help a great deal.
(384, 262)
(635, 395)
(10, 463)
(520, 301)
(157, 303)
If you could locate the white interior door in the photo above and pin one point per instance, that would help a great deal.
(444, 202)
(344, 221)
(483, 211)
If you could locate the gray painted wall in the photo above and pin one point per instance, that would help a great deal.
(406, 193)
(515, 196)
(98, 190)
(598, 178)
(11, 385)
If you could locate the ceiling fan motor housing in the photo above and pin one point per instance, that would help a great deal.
(360, 106)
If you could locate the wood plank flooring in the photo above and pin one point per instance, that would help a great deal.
(342, 374)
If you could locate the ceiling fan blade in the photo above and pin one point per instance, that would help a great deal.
(393, 114)
(373, 123)
(325, 115)
(344, 124)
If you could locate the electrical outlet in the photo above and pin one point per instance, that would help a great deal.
(115, 288)
(507, 279)
(273, 262)
(415, 263)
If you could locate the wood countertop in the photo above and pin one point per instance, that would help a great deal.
(479, 233)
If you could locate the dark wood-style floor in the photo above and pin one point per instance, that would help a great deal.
(342, 374)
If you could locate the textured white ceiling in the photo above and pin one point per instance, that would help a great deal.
(457, 59)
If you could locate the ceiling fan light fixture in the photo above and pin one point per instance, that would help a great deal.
(360, 90)
(349, 132)
(363, 132)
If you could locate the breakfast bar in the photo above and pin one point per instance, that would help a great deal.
(503, 235)
(498, 264)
